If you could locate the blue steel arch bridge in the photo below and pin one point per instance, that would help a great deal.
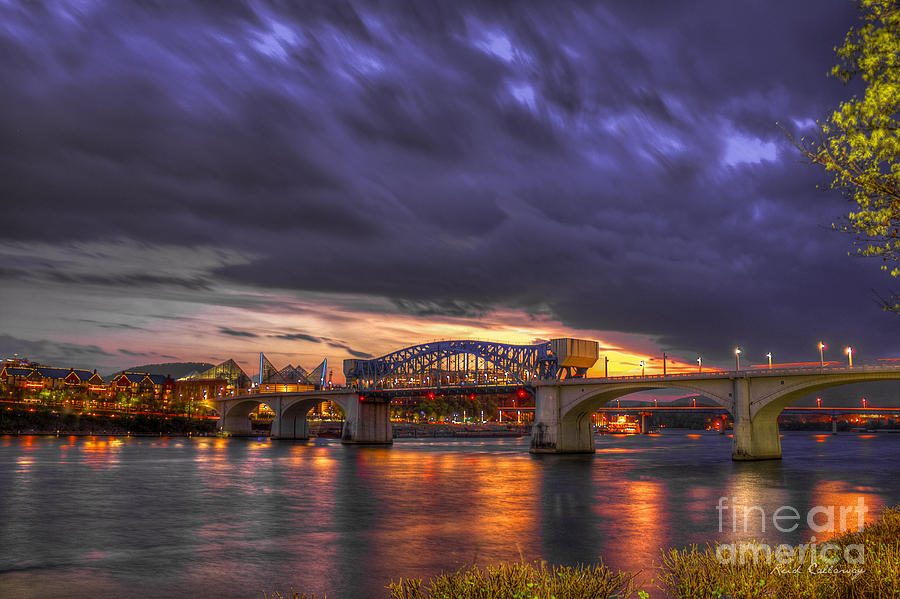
(464, 363)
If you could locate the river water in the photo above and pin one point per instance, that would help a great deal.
(144, 517)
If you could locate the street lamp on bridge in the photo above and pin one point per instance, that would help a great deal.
(737, 358)
(849, 352)
(864, 402)
(818, 402)
(769, 355)
(642, 368)
(822, 348)
(699, 364)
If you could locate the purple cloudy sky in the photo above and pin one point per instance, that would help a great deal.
(202, 180)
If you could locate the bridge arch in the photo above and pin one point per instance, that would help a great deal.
(234, 414)
(756, 433)
(562, 410)
(584, 402)
(291, 411)
(774, 398)
(292, 422)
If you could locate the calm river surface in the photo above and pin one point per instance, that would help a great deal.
(141, 517)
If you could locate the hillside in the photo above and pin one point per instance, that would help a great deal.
(174, 369)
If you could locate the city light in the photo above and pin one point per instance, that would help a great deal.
(737, 358)
(699, 364)
(849, 352)
(822, 348)
(769, 355)
(642, 368)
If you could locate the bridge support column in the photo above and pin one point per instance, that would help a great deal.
(368, 423)
(833, 425)
(754, 438)
(290, 427)
(550, 434)
(644, 428)
(236, 425)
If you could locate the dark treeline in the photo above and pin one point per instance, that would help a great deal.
(49, 421)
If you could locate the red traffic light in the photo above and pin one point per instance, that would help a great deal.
(523, 393)
(430, 395)
(471, 396)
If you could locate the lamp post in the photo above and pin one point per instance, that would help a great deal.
(864, 402)
(699, 364)
(664, 363)
(822, 348)
(818, 402)
(849, 352)
(642, 368)
(769, 355)
(606, 367)
(737, 358)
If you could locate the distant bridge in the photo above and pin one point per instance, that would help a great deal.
(564, 399)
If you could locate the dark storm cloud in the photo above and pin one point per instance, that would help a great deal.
(111, 325)
(234, 333)
(53, 353)
(453, 308)
(335, 343)
(349, 350)
(297, 337)
(133, 353)
(615, 166)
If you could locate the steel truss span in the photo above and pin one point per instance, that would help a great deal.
(451, 362)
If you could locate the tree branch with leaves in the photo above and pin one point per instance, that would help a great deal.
(859, 145)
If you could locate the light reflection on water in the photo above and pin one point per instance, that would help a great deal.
(98, 516)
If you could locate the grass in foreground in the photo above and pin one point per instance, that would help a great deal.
(520, 581)
(683, 574)
(694, 572)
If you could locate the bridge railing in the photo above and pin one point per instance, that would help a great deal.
(759, 371)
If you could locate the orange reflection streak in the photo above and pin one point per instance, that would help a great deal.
(417, 514)
(98, 453)
(836, 494)
(24, 465)
(745, 490)
(642, 516)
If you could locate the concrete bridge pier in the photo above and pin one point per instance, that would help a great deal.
(644, 428)
(236, 424)
(290, 426)
(833, 425)
(368, 422)
(756, 437)
(552, 434)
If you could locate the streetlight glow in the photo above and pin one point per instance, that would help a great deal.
(699, 364)
(849, 352)
(737, 358)
(769, 355)
(822, 348)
